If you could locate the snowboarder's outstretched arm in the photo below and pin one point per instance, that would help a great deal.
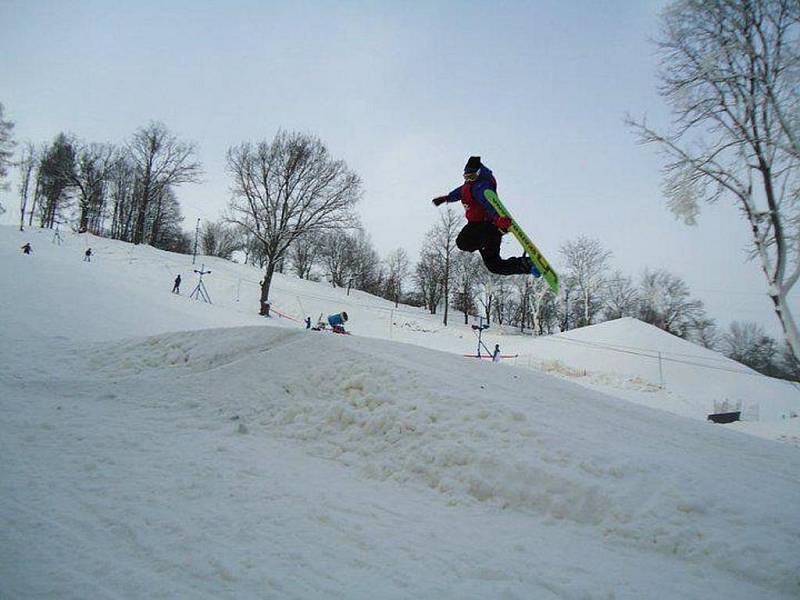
(454, 196)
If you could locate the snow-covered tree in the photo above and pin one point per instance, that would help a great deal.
(730, 72)
(585, 261)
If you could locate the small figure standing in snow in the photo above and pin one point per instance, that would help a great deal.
(496, 353)
(87, 256)
(176, 289)
(485, 228)
(27, 249)
(308, 322)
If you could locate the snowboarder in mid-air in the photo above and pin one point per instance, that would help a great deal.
(485, 227)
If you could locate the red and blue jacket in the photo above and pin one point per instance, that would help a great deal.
(470, 194)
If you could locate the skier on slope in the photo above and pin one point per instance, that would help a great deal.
(484, 228)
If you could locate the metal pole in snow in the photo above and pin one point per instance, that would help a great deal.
(660, 371)
(196, 232)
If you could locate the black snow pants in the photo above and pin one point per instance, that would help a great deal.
(485, 238)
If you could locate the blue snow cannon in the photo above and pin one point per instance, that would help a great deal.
(337, 319)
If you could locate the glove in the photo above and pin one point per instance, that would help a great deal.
(503, 223)
(439, 200)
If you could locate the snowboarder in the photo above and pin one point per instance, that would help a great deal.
(176, 288)
(87, 256)
(27, 249)
(485, 228)
(308, 322)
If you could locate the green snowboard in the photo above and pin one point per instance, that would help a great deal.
(530, 248)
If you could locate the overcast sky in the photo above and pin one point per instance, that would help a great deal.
(404, 92)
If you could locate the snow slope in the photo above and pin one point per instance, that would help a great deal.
(158, 447)
(618, 357)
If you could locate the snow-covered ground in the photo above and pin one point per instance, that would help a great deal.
(154, 446)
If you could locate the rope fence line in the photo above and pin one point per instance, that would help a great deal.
(610, 346)
(660, 358)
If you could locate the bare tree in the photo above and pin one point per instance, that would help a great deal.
(443, 242)
(664, 301)
(337, 252)
(428, 275)
(730, 73)
(7, 144)
(586, 263)
(161, 161)
(303, 254)
(366, 273)
(88, 177)
(123, 186)
(502, 302)
(749, 344)
(27, 166)
(53, 180)
(621, 297)
(397, 266)
(467, 270)
(288, 188)
(219, 239)
(703, 331)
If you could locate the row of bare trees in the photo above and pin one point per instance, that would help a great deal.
(125, 192)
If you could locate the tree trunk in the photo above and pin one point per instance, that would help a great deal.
(787, 322)
(265, 285)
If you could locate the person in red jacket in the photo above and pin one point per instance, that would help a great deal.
(484, 228)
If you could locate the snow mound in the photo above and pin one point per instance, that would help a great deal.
(516, 440)
(627, 354)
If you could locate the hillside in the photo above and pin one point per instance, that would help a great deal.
(157, 446)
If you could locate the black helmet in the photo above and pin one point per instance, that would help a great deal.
(472, 168)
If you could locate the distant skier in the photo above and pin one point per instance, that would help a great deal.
(27, 249)
(87, 256)
(308, 322)
(496, 353)
(485, 228)
(176, 288)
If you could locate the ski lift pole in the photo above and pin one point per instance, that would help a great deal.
(479, 329)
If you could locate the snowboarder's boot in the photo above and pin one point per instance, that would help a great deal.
(531, 267)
